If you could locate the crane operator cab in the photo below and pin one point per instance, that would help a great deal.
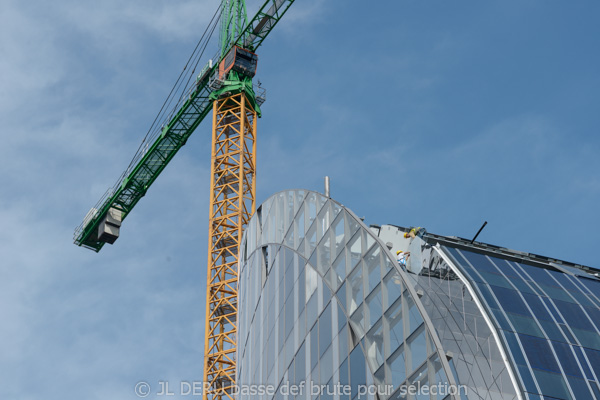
(240, 60)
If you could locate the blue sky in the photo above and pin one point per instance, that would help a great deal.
(431, 113)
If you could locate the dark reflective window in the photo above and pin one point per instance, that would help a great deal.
(510, 300)
(539, 353)
(551, 384)
(574, 315)
(481, 262)
(579, 388)
(594, 357)
(567, 359)
(535, 303)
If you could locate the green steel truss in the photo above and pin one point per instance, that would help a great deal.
(150, 161)
(233, 21)
(263, 23)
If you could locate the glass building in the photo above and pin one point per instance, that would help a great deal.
(327, 310)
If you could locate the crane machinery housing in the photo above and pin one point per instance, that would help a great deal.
(224, 86)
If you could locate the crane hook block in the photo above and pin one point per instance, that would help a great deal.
(108, 229)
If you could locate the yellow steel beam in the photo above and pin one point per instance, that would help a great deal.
(232, 203)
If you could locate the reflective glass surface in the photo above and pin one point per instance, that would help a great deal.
(549, 318)
(323, 301)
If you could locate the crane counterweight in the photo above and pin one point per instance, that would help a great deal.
(109, 227)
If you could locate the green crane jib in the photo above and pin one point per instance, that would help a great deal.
(102, 223)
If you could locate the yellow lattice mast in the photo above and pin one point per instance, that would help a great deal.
(232, 203)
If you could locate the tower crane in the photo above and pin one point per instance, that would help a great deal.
(224, 86)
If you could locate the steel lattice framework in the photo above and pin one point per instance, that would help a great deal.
(232, 203)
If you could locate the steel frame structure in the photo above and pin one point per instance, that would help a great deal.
(232, 203)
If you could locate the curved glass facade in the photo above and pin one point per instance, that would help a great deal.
(549, 320)
(323, 301)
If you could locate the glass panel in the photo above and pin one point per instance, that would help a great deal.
(357, 320)
(595, 388)
(302, 248)
(311, 311)
(394, 318)
(311, 208)
(510, 300)
(344, 376)
(593, 286)
(289, 238)
(325, 335)
(356, 290)
(567, 332)
(525, 325)
(551, 384)
(314, 347)
(311, 281)
(579, 388)
(343, 343)
(374, 306)
(397, 367)
(289, 315)
(480, 262)
(323, 222)
(311, 237)
(280, 218)
(556, 293)
(370, 241)
(298, 200)
(300, 365)
(539, 275)
(415, 317)
(341, 317)
(373, 262)
(300, 224)
(574, 315)
(321, 201)
(552, 330)
(339, 269)
(594, 357)
(355, 246)
(338, 231)
(374, 344)
(418, 348)
(438, 370)
(539, 353)
(357, 370)
(587, 338)
(324, 256)
(341, 295)
(393, 287)
(420, 379)
(583, 362)
(495, 279)
(567, 359)
(352, 224)
(550, 306)
(380, 377)
(301, 325)
(594, 314)
(301, 287)
(326, 365)
(335, 208)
